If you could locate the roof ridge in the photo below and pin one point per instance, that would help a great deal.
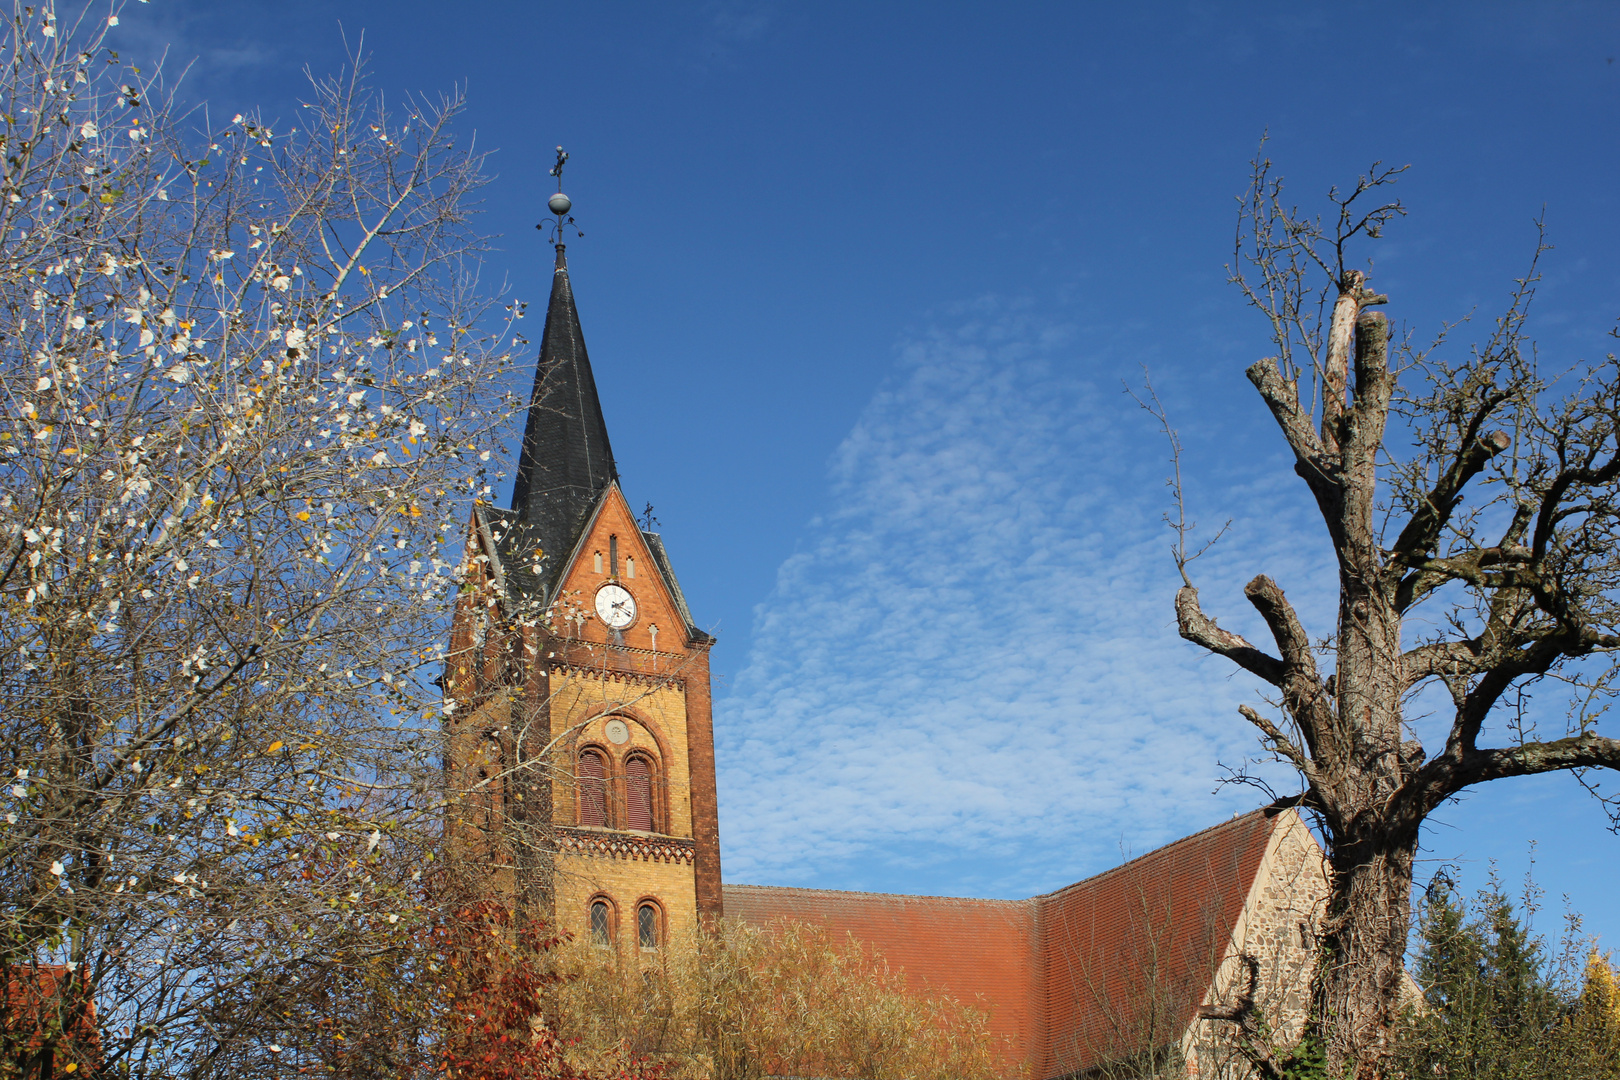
(1189, 838)
(876, 895)
(1264, 811)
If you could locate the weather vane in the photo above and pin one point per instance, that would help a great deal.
(559, 204)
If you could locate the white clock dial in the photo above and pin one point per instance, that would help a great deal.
(615, 606)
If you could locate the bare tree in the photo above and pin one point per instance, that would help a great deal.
(1518, 584)
(249, 380)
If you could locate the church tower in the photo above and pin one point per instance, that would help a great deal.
(580, 744)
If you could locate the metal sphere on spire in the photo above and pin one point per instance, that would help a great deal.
(559, 205)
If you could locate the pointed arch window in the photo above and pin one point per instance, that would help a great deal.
(591, 783)
(638, 794)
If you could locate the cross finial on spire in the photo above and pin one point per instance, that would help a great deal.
(559, 204)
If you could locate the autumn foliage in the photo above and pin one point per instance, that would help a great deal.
(47, 1026)
(742, 1002)
(249, 388)
(493, 983)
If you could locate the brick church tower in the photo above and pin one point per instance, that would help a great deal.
(580, 745)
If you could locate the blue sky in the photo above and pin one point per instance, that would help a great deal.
(861, 283)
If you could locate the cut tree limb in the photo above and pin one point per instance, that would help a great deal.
(1199, 629)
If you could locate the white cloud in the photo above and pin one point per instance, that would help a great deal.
(969, 679)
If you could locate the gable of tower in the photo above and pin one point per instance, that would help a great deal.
(612, 549)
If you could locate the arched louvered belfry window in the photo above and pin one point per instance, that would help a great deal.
(638, 794)
(592, 787)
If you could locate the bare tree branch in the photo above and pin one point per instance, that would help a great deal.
(1201, 630)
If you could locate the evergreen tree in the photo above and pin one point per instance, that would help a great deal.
(1497, 1005)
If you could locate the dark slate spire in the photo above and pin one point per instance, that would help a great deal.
(566, 460)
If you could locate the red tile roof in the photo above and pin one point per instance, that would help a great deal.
(1109, 965)
(1129, 953)
(966, 949)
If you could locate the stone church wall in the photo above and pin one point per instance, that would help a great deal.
(1285, 902)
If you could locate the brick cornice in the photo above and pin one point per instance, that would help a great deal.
(618, 663)
(615, 675)
(618, 845)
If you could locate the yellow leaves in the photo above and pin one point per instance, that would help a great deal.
(303, 515)
(1602, 991)
(273, 747)
(73, 1066)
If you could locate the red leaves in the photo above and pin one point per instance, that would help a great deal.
(496, 980)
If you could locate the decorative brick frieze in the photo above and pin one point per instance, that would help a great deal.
(617, 845)
(618, 663)
(607, 674)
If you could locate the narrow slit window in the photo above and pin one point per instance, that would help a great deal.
(647, 926)
(638, 794)
(592, 787)
(599, 923)
(629, 566)
(613, 555)
(598, 562)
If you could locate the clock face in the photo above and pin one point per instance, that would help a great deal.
(615, 606)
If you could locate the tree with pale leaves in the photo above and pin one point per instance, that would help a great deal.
(1472, 507)
(249, 377)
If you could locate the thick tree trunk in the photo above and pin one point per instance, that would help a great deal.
(1363, 941)
(1364, 932)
